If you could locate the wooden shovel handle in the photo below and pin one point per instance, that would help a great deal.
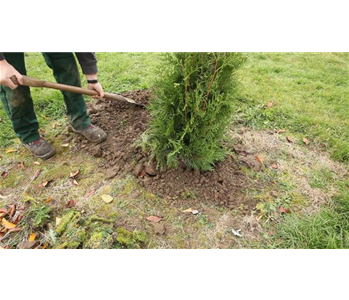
(34, 82)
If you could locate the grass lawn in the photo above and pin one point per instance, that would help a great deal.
(309, 98)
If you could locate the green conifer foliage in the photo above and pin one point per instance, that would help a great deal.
(192, 107)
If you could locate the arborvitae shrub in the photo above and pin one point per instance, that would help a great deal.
(192, 108)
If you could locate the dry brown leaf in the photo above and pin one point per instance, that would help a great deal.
(71, 203)
(65, 145)
(32, 237)
(188, 211)
(259, 159)
(7, 224)
(306, 141)
(270, 104)
(143, 173)
(45, 184)
(21, 165)
(73, 175)
(48, 200)
(107, 198)
(4, 174)
(274, 166)
(289, 139)
(11, 151)
(37, 173)
(284, 210)
(154, 219)
(36, 163)
(75, 182)
(88, 194)
(12, 210)
(281, 131)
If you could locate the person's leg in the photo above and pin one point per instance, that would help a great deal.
(18, 104)
(65, 71)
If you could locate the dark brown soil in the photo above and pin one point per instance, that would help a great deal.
(124, 124)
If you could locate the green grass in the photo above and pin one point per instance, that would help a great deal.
(309, 92)
(328, 229)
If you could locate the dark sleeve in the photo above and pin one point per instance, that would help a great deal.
(88, 62)
(2, 57)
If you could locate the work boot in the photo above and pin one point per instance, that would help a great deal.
(93, 133)
(41, 149)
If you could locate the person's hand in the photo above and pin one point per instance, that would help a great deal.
(6, 72)
(95, 87)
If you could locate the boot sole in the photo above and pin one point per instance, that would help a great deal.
(46, 156)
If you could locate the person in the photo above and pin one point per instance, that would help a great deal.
(18, 102)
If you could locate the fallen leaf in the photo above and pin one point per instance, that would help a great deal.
(188, 211)
(274, 166)
(45, 246)
(65, 145)
(16, 229)
(7, 224)
(58, 221)
(12, 210)
(27, 245)
(21, 165)
(2, 215)
(154, 219)
(48, 200)
(75, 182)
(289, 139)
(11, 151)
(73, 175)
(4, 174)
(143, 173)
(270, 104)
(259, 159)
(36, 163)
(281, 131)
(306, 141)
(284, 210)
(45, 184)
(37, 173)
(32, 237)
(107, 198)
(71, 203)
(237, 232)
(88, 194)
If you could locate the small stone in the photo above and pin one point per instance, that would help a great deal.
(138, 169)
(150, 169)
(96, 151)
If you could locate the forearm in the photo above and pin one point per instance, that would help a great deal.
(88, 62)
